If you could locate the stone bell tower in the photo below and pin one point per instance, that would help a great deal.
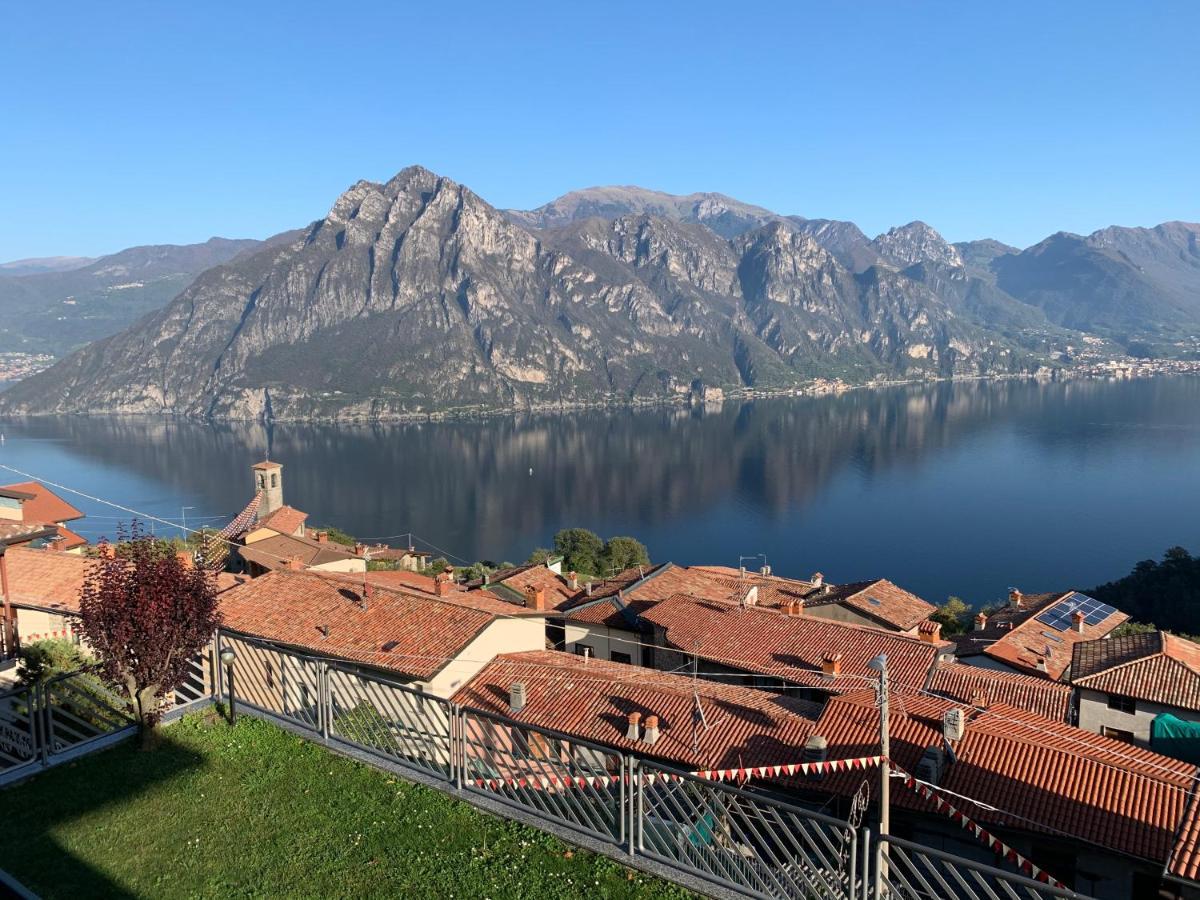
(268, 479)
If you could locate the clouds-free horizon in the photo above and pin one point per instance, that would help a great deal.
(150, 123)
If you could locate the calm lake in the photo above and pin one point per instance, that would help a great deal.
(951, 489)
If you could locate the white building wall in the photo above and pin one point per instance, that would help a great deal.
(1095, 715)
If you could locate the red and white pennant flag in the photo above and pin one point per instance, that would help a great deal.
(997, 846)
(781, 771)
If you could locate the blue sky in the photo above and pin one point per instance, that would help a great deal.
(129, 123)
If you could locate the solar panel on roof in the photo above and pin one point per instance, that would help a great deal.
(1059, 615)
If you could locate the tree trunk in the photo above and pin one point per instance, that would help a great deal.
(147, 720)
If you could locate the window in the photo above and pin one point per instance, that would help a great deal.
(1117, 734)
(583, 650)
(620, 657)
(262, 480)
(274, 480)
(1122, 704)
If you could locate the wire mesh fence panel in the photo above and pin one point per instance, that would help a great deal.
(275, 681)
(748, 842)
(909, 871)
(18, 730)
(575, 783)
(79, 707)
(402, 724)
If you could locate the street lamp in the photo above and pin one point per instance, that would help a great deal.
(229, 657)
(880, 664)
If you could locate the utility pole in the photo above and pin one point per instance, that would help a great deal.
(183, 514)
(879, 664)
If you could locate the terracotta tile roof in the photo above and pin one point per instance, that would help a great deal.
(285, 520)
(46, 579)
(403, 632)
(1095, 789)
(44, 505)
(978, 686)
(402, 578)
(274, 552)
(592, 700)
(556, 587)
(1156, 666)
(1015, 636)
(790, 647)
(69, 539)
(243, 520)
(23, 532)
(1185, 856)
(896, 607)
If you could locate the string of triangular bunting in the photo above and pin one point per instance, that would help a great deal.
(545, 782)
(967, 824)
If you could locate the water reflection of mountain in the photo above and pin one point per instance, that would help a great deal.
(467, 484)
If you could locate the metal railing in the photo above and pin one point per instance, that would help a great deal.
(916, 872)
(733, 838)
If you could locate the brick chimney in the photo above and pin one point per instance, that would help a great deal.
(631, 733)
(535, 598)
(831, 664)
(322, 537)
(360, 549)
(930, 631)
(1078, 619)
(980, 621)
(442, 585)
(295, 563)
(1014, 598)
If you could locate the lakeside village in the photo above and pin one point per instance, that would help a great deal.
(1070, 748)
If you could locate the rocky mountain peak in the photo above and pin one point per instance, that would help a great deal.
(916, 242)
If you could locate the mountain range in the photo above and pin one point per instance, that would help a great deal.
(57, 304)
(416, 296)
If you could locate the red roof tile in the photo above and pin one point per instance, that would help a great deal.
(789, 647)
(69, 539)
(396, 630)
(981, 687)
(556, 587)
(1014, 636)
(592, 700)
(1049, 776)
(23, 532)
(1157, 667)
(46, 579)
(285, 520)
(275, 552)
(44, 505)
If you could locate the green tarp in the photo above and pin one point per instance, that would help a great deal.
(1172, 736)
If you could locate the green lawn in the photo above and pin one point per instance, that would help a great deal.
(255, 811)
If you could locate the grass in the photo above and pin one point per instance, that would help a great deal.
(254, 811)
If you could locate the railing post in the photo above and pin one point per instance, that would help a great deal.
(865, 857)
(461, 718)
(877, 872)
(219, 682)
(324, 699)
(36, 712)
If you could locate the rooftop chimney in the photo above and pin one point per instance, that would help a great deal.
(831, 664)
(765, 570)
(930, 631)
(818, 579)
(742, 571)
(980, 621)
(573, 580)
(588, 588)
(1041, 664)
(750, 597)
(1077, 621)
(1014, 598)
(535, 598)
(816, 749)
(442, 585)
(953, 724)
(360, 549)
(322, 537)
(650, 735)
(631, 734)
(295, 563)
(516, 696)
